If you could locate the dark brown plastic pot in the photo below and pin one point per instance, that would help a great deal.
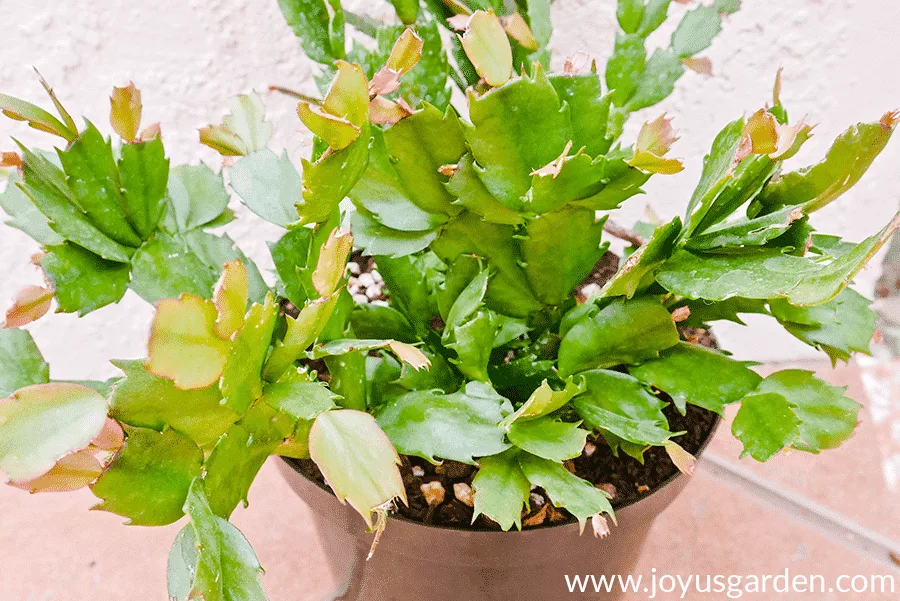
(415, 562)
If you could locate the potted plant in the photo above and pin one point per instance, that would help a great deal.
(483, 378)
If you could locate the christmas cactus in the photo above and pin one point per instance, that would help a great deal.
(481, 346)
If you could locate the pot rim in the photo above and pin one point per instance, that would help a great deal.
(292, 463)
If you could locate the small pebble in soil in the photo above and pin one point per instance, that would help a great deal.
(590, 290)
(537, 500)
(643, 488)
(380, 303)
(608, 488)
(361, 299)
(377, 276)
(538, 518)
(589, 449)
(373, 292)
(434, 493)
(418, 471)
(366, 279)
(353, 268)
(463, 492)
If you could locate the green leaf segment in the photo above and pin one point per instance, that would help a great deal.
(482, 223)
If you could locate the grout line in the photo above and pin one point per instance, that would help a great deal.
(857, 538)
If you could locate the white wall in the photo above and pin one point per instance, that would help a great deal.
(189, 56)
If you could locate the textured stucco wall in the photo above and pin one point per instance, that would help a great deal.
(190, 56)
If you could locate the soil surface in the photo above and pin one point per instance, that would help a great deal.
(626, 480)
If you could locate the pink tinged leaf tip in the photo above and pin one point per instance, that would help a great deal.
(684, 461)
(579, 63)
(701, 65)
(517, 28)
(31, 303)
(600, 526)
(125, 111)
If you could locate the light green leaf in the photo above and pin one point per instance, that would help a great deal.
(567, 179)
(472, 194)
(639, 269)
(25, 215)
(544, 400)
(190, 262)
(501, 489)
(565, 489)
(327, 181)
(240, 453)
(746, 232)
(827, 417)
(548, 438)
(407, 10)
(291, 254)
(35, 116)
(629, 13)
(358, 461)
(301, 332)
(699, 376)
(765, 423)
(654, 15)
(589, 110)
(374, 321)
(516, 129)
(145, 401)
(383, 194)
(183, 344)
(468, 300)
(301, 400)
(21, 363)
(622, 332)
(696, 31)
(459, 426)
(839, 327)
(377, 239)
(211, 560)
(556, 264)
(846, 162)
(405, 352)
(619, 404)
(268, 184)
(420, 145)
(247, 120)
(473, 341)
(40, 424)
(717, 167)
(486, 45)
(82, 281)
(196, 196)
(148, 479)
(241, 382)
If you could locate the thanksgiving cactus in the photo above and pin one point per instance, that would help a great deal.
(483, 221)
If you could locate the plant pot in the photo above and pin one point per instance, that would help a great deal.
(416, 562)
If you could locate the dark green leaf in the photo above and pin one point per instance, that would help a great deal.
(566, 179)
(211, 559)
(21, 363)
(827, 417)
(765, 423)
(625, 66)
(746, 232)
(473, 341)
(148, 479)
(82, 281)
(619, 404)
(657, 81)
(622, 332)
(348, 379)
(407, 10)
(269, 185)
(319, 25)
(144, 174)
(699, 376)
(377, 239)
(290, 254)
(374, 321)
(501, 489)
(564, 488)
(629, 14)
(472, 194)
(467, 234)
(556, 264)
(459, 426)
(716, 171)
(301, 400)
(240, 453)
(45, 185)
(623, 183)
(143, 400)
(384, 196)
(548, 438)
